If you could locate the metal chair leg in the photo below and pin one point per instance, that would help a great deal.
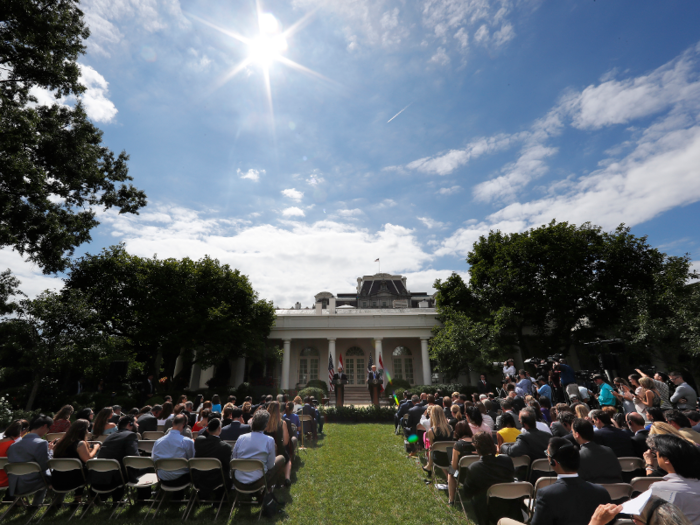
(220, 505)
(152, 503)
(14, 502)
(233, 507)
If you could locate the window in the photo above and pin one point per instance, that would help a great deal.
(403, 363)
(354, 365)
(384, 304)
(374, 303)
(364, 304)
(308, 365)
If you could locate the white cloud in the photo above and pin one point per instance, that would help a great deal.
(462, 37)
(387, 203)
(293, 194)
(32, 280)
(440, 57)
(251, 174)
(315, 179)
(286, 263)
(349, 213)
(293, 211)
(482, 35)
(449, 191)
(431, 223)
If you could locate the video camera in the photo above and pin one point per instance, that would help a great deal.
(543, 365)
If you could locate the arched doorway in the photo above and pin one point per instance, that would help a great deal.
(308, 365)
(355, 365)
(403, 363)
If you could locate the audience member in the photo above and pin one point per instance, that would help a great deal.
(544, 389)
(32, 447)
(508, 434)
(277, 430)
(562, 426)
(570, 500)
(455, 416)
(216, 403)
(623, 393)
(148, 420)
(174, 445)
(233, 430)
(636, 423)
(11, 435)
(116, 414)
(73, 445)
(256, 445)
(649, 396)
(694, 417)
(102, 425)
(680, 422)
(440, 430)
(661, 382)
(247, 410)
(684, 397)
(599, 464)
(166, 414)
(86, 413)
(608, 435)
(531, 442)
(309, 410)
(463, 446)
(290, 416)
(533, 405)
(524, 386)
(581, 411)
(118, 445)
(488, 420)
(507, 405)
(210, 445)
(226, 414)
(475, 420)
(605, 392)
(203, 421)
(61, 421)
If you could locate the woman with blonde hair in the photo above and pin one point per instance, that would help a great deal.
(277, 430)
(246, 412)
(456, 414)
(648, 396)
(659, 429)
(102, 426)
(440, 430)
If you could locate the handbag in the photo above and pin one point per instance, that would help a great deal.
(270, 505)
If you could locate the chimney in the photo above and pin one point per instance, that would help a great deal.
(319, 308)
(297, 306)
(331, 305)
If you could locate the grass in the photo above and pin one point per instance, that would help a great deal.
(356, 474)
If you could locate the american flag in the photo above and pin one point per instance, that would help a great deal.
(370, 363)
(331, 372)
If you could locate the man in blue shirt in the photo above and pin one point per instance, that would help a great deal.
(257, 445)
(605, 395)
(544, 389)
(567, 373)
(524, 386)
(174, 445)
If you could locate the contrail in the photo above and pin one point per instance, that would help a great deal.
(404, 109)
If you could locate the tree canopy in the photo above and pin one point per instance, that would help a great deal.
(547, 288)
(53, 167)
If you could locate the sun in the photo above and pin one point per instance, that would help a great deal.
(266, 49)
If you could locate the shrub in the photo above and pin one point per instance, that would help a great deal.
(398, 386)
(446, 388)
(352, 414)
(312, 391)
(317, 383)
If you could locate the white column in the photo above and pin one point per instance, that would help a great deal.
(240, 371)
(206, 375)
(427, 375)
(195, 373)
(377, 350)
(331, 351)
(178, 365)
(285, 364)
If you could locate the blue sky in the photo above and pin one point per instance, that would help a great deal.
(514, 113)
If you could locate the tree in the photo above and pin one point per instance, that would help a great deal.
(53, 167)
(164, 307)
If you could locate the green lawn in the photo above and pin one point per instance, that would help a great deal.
(356, 474)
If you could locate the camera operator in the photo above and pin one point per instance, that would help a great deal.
(568, 378)
(509, 369)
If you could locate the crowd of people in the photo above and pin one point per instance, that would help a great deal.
(268, 431)
(582, 439)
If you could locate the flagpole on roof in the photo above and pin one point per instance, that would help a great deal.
(379, 265)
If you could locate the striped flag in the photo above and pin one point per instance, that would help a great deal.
(384, 372)
(370, 363)
(331, 372)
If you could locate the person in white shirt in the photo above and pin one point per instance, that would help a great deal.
(509, 369)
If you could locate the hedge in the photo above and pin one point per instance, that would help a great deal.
(312, 391)
(352, 414)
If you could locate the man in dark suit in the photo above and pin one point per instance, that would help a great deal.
(414, 414)
(232, 431)
(570, 500)
(308, 410)
(483, 386)
(481, 475)
(340, 375)
(639, 439)
(507, 406)
(148, 421)
(116, 416)
(371, 376)
(599, 463)
(32, 447)
(404, 405)
(611, 436)
(562, 427)
(122, 443)
(210, 445)
(531, 442)
(148, 388)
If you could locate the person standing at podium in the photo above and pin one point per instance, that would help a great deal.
(371, 375)
(340, 375)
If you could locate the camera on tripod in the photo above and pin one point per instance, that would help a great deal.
(543, 365)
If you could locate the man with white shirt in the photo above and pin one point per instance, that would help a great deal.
(174, 445)
(256, 445)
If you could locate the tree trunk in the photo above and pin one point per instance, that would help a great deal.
(156, 364)
(35, 390)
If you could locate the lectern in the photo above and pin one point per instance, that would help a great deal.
(339, 391)
(375, 386)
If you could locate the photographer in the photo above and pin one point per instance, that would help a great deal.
(509, 370)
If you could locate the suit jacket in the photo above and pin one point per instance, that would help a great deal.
(518, 404)
(369, 376)
(115, 418)
(484, 388)
(208, 446)
(232, 432)
(117, 446)
(403, 410)
(339, 376)
(639, 441)
(599, 464)
(559, 430)
(147, 423)
(620, 443)
(569, 501)
(531, 443)
(479, 477)
(30, 448)
(500, 424)
(414, 415)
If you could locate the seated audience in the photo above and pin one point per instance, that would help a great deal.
(599, 464)
(531, 442)
(166, 414)
(148, 418)
(488, 420)
(562, 427)
(481, 475)
(491, 410)
(446, 407)
(508, 434)
(61, 421)
(226, 414)
(581, 411)
(541, 423)
(118, 445)
(74, 444)
(210, 445)
(694, 417)
(570, 500)
(606, 434)
(233, 430)
(216, 403)
(102, 425)
(507, 406)
(10, 436)
(32, 447)
(309, 410)
(256, 445)
(681, 460)
(174, 445)
(455, 416)
(86, 413)
(440, 430)
(464, 446)
(247, 410)
(116, 414)
(636, 424)
(476, 421)
(545, 406)
(203, 421)
(177, 409)
(277, 430)
(680, 422)
(290, 416)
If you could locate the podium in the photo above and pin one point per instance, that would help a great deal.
(339, 391)
(375, 386)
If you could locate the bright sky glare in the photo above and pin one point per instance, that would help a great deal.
(299, 141)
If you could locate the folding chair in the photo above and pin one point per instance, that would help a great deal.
(303, 418)
(68, 465)
(3, 462)
(540, 484)
(630, 466)
(172, 465)
(249, 465)
(25, 469)
(642, 484)
(103, 465)
(464, 462)
(515, 490)
(441, 446)
(618, 491)
(153, 435)
(522, 462)
(541, 465)
(208, 465)
(143, 479)
(54, 435)
(160, 428)
(146, 446)
(100, 439)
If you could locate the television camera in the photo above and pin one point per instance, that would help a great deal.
(544, 365)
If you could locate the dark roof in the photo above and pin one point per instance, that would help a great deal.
(347, 295)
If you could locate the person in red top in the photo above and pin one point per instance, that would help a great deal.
(12, 434)
(203, 421)
(61, 421)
